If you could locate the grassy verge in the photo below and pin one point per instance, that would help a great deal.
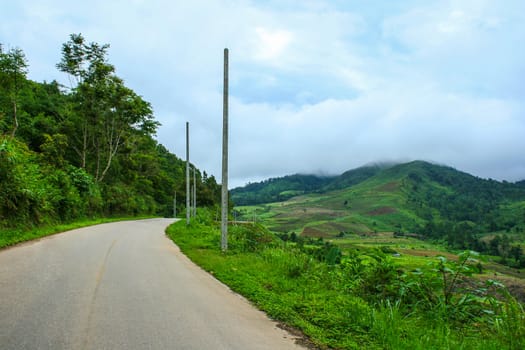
(358, 300)
(9, 237)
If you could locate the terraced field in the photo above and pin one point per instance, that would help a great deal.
(359, 210)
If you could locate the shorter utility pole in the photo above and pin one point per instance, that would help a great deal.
(188, 207)
(175, 205)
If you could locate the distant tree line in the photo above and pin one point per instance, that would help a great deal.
(84, 150)
(283, 188)
(277, 189)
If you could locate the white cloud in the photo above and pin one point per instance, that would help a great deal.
(357, 79)
(337, 135)
(313, 87)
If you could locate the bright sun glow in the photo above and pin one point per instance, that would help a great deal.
(272, 43)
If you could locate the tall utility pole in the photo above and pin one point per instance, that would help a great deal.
(224, 201)
(188, 207)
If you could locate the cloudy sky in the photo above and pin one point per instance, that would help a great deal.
(316, 86)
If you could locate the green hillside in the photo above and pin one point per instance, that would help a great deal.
(417, 199)
(283, 188)
(356, 176)
(278, 189)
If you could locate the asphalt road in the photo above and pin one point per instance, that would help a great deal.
(122, 286)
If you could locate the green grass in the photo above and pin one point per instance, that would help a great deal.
(354, 305)
(9, 237)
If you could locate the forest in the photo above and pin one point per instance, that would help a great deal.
(86, 150)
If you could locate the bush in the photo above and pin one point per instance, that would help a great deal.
(373, 276)
(32, 193)
(22, 195)
(250, 237)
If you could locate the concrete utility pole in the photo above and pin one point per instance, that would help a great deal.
(188, 207)
(224, 201)
(175, 205)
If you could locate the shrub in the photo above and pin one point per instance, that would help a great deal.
(250, 237)
(372, 276)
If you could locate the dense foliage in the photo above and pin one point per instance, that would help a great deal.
(359, 298)
(83, 151)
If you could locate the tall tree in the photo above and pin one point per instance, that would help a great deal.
(106, 112)
(124, 113)
(86, 64)
(13, 71)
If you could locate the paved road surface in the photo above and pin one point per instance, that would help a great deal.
(122, 286)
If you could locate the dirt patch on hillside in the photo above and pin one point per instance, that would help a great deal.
(389, 187)
(314, 233)
(427, 253)
(331, 228)
(515, 286)
(382, 211)
(309, 213)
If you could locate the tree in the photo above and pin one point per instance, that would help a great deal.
(86, 64)
(494, 244)
(123, 113)
(82, 60)
(106, 113)
(13, 71)
(517, 253)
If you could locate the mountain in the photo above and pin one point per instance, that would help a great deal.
(417, 197)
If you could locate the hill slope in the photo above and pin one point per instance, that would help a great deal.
(356, 176)
(278, 189)
(417, 197)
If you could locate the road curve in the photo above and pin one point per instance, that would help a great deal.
(126, 286)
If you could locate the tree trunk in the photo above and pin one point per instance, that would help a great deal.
(84, 146)
(15, 119)
(113, 146)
